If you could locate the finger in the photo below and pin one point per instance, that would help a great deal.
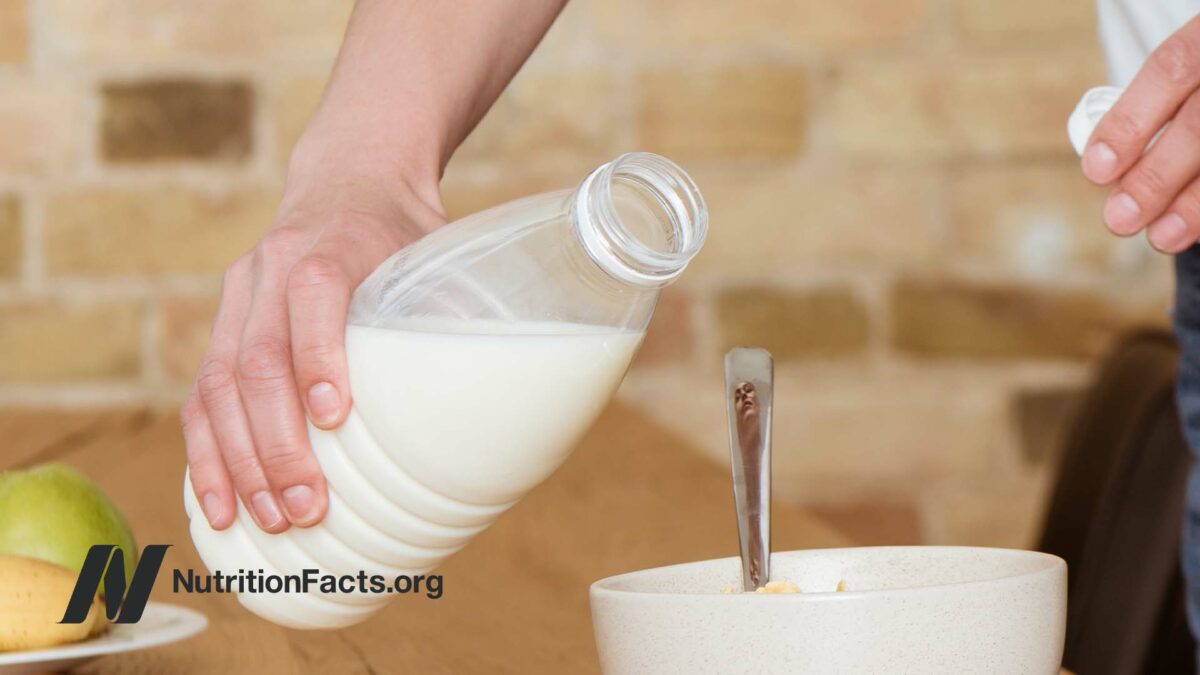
(209, 479)
(319, 293)
(318, 299)
(268, 386)
(1147, 189)
(1168, 77)
(218, 388)
(1180, 227)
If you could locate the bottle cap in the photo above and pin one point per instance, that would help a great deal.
(1091, 109)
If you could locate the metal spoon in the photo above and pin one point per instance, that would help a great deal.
(749, 393)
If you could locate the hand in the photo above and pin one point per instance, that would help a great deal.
(1155, 190)
(411, 80)
(276, 352)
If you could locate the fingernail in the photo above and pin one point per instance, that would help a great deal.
(265, 511)
(1168, 234)
(1121, 212)
(1099, 162)
(324, 403)
(300, 502)
(212, 509)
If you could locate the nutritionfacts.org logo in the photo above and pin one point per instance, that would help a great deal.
(104, 567)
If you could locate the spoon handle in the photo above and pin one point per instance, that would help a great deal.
(749, 392)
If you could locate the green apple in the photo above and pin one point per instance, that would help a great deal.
(54, 513)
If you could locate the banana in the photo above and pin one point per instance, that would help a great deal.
(96, 616)
(33, 597)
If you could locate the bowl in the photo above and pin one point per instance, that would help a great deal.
(920, 610)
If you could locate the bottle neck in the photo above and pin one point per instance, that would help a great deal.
(640, 218)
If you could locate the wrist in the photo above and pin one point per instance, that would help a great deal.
(350, 156)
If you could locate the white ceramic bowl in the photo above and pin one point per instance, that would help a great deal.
(920, 610)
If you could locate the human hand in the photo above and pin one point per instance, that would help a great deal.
(1155, 187)
(276, 351)
(410, 82)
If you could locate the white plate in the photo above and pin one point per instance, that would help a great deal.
(160, 624)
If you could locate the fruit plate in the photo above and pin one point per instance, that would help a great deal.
(160, 624)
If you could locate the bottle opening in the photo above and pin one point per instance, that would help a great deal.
(640, 218)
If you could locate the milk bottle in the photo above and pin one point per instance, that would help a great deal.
(477, 359)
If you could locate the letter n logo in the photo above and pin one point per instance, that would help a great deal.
(106, 562)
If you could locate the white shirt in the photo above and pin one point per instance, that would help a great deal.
(1131, 29)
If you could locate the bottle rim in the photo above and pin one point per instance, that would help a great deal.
(613, 245)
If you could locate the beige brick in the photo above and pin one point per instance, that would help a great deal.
(551, 116)
(464, 194)
(776, 219)
(886, 437)
(854, 23)
(14, 31)
(1004, 106)
(1031, 220)
(887, 108)
(571, 39)
(846, 434)
(91, 32)
(10, 238)
(291, 110)
(181, 119)
(151, 232)
(872, 523)
(959, 319)
(39, 126)
(674, 25)
(991, 106)
(51, 342)
(733, 112)
(670, 337)
(185, 324)
(708, 24)
(1061, 20)
(1007, 515)
(793, 324)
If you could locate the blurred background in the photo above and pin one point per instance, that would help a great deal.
(895, 213)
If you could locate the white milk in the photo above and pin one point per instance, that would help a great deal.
(476, 414)
(452, 422)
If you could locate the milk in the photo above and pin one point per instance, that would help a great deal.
(452, 421)
(476, 411)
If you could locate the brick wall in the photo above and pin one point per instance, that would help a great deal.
(895, 214)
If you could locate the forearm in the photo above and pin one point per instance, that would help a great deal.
(415, 76)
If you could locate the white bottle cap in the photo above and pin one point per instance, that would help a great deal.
(1092, 107)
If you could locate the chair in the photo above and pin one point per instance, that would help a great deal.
(1115, 516)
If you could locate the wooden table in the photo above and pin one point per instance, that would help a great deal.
(515, 600)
